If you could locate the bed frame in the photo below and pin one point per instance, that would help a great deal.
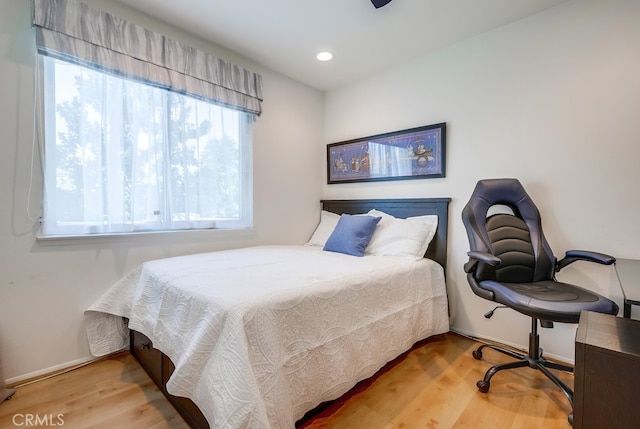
(404, 208)
(159, 366)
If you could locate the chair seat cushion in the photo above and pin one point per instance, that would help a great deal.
(549, 300)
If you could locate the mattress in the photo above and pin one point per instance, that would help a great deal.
(261, 335)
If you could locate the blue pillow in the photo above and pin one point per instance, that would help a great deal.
(352, 234)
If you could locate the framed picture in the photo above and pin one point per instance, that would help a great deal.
(416, 153)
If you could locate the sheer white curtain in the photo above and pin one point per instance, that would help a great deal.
(127, 157)
(152, 134)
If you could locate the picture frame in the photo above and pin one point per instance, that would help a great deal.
(414, 153)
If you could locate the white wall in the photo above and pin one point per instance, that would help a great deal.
(554, 100)
(45, 289)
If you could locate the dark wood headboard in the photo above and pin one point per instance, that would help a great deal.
(404, 208)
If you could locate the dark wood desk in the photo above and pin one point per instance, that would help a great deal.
(607, 372)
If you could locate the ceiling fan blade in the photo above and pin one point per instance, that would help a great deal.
(379, 3)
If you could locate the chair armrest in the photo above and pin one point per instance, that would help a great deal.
(475, 257)
(572, 256)
(470, 267)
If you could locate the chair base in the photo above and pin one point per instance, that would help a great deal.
(533, 360)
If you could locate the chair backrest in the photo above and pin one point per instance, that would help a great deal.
(516, 239)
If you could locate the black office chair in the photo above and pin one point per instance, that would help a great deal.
(511, 263)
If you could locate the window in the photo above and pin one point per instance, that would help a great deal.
(125, 156)
(141, 132)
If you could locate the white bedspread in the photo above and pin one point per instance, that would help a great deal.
(261, 335)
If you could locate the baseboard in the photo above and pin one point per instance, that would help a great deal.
(43, 374)
(519, 347)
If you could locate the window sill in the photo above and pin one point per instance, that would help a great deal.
(142, 236)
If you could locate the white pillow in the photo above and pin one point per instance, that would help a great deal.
(402, 238)
(328, 222)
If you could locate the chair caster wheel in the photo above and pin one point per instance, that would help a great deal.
(483, 386)
(477, 354)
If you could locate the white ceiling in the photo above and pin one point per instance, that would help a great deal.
(285, 35)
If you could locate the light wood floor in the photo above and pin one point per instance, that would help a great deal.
(431, 387)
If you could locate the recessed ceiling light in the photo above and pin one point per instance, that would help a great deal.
(324, 56)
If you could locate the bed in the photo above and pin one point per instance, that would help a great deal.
(275, 342)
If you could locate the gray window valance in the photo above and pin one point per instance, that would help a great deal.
(73, 31)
